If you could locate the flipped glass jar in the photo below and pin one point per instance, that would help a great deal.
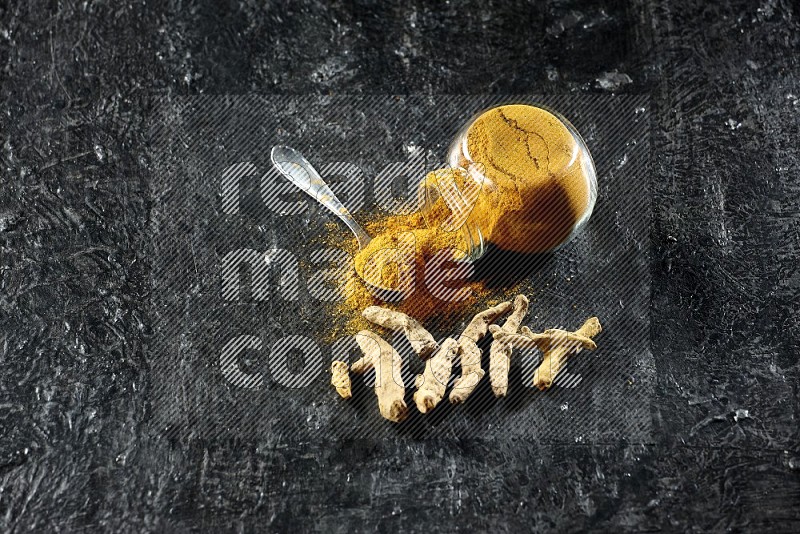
(520, 176)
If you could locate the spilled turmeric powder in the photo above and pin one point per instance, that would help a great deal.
(518, 178)
(426, 265)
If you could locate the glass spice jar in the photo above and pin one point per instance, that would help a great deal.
(520, 176)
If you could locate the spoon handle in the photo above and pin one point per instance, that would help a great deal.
(295, 168)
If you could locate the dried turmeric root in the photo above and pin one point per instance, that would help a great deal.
(389, 387)
(432, 383)
(420, 339)
(523, 340)
(560, 345)
(500, 351)
(471, 371)
(340, 379)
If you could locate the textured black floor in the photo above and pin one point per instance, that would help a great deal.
(78, 82)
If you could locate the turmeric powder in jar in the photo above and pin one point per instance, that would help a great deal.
(537, 181)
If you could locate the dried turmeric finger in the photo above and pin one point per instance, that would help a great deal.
(432, 384)
(561, 344)
(500, 350)
(471, 371)
(479, 325)
(340, 379)
(525, 339)
(389, 387)
(420, 339)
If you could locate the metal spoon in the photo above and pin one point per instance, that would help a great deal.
(302, 174)
(295, 168)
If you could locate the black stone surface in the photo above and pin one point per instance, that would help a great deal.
(79, 80)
